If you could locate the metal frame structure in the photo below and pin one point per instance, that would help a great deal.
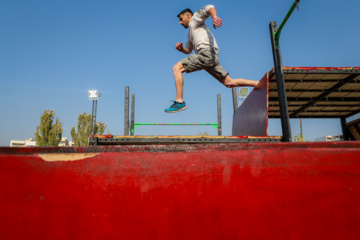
(318, 92)
(126, 139)
(126, 112)
(326, 98)
(149, 140)
(275, 37)
(131, 130)
(235, 100)
(93, 116)
(93, 96)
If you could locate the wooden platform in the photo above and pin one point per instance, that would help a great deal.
(317, 92)
(129, 140)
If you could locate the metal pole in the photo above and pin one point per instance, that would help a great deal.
(235, 102)
(280, 81)
(301, 132)
(132, 130)
(95, 111)
(345, 132)
(126, 113)
(92, 117)
(275, 36)
(278, 31)
(219, 114)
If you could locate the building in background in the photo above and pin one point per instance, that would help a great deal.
(31, 143)
(23, 143)
(329, 138)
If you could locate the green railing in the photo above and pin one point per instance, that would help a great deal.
(278, 31)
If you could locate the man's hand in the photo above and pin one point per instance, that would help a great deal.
(217, 22)
(179, 46)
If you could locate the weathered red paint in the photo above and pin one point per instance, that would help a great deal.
(225, 191)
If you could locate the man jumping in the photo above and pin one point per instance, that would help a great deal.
(203, 42)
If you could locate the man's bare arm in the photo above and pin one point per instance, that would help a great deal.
(217, 22)
(179, 47)
(186, 51)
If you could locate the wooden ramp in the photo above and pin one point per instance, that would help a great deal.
(251, 118)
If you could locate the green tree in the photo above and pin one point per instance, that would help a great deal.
(81, 136)
(204, 133)
(299, 138)
(47, 133)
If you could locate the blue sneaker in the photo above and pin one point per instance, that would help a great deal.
(176, 107)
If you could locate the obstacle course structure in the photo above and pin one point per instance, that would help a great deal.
(311, 92)
(251, 118)
(134, 125)
(129, 125)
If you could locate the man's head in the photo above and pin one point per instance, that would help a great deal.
(185, 17)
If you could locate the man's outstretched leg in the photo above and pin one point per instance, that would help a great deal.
(179, 103)
(240, 82)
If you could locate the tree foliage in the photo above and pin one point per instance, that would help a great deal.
(47, 133)
(299, 138)
(81, 136)
(204, 133)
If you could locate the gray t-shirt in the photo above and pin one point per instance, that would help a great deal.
(199, 36)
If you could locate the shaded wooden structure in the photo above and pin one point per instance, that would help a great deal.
(318, 92)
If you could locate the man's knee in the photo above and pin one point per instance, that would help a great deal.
(227, 81)
(178, 68)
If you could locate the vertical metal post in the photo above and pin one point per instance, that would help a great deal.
(284, 114)
(132, 130)
(219, 114)
(93, 116)
(235, 101)
(126, 113)
(95, 113)
(346, 135)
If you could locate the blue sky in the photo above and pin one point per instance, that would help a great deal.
(53, 52)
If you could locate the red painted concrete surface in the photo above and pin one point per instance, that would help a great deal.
(222, 191)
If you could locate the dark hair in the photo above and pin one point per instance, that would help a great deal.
(185, 11)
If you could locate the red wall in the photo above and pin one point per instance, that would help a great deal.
(233, 191)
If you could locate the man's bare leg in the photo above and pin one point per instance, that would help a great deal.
(240, 82)
(179, 104)
(178, 70)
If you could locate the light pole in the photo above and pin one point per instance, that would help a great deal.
(243, 93)
(93, 95)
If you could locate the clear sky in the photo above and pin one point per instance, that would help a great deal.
(53, 52)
